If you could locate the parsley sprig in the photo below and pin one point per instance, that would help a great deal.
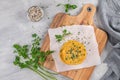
(61, 37)
(31, 57)
(68, 7)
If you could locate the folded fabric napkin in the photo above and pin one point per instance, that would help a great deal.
(109, 17)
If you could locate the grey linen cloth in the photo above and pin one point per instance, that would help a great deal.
(109, 16)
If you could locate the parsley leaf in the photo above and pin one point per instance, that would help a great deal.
(69, 7)
(61, 37)
(34, 35)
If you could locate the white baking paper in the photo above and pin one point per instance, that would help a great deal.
(86, 36)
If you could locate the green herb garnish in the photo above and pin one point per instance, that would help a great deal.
(78, 33)
(69, 7)
(32, 58)
(61, 37)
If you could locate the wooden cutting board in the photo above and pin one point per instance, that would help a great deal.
(86, 18)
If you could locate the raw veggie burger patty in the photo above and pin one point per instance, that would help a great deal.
(73, 52)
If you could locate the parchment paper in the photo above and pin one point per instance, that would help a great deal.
(86, 36)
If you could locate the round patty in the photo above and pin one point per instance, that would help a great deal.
(73, 52)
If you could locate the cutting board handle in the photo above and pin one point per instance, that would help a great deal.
(87, 14)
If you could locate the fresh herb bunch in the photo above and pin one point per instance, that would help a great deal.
(61, 37)
(31, 57)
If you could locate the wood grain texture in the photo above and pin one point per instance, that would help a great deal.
(85, 18)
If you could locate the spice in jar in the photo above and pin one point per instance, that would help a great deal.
(35, 13)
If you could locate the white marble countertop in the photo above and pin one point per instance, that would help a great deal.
(15, 27)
